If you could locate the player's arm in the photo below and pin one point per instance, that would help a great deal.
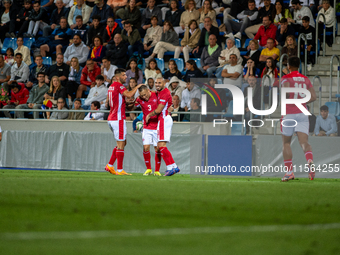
(312, 95)
(159, 109)
(132, 92)
(107, 101)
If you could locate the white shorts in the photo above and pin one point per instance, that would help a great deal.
(292, 123)
(118, 127)
(164, 129)
(150, 137)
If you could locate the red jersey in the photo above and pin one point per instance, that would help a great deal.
(147, 107)
(116, 101)
(296, 80)
(164, 98)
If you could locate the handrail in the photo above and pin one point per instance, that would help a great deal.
(331, 76)
(262, 90)
(317, 37)
(336, 22)
(304, 37)
(320, 91)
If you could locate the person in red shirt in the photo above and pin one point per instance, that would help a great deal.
(19, 95)
(267, 30)
(88, 77)
(148, 101)
(116, 120)
(296, 121)
(164, 125)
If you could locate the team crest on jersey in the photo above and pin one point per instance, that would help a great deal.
(155, 100)
(122, 87)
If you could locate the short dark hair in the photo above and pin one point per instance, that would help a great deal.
(37, 56)
(154, 17)
(97, 17)
(269, 17)
(306, 18)
(61, 98)
(63, 17)
(196, 101)
(106, 58)
(27, 2)
(271, 39)
(119, 71)
(77, 35)
(100, 77)
(324, 108)
(294, 62)
(43, 73)
(96, 104)
(18, 54)
(79, 17)
(15, 85)
(283, 20)
(110, 17)
(36, 2)
(127, 23)
(251, 1)
(99, 37)
(141, 88)
(78, 100)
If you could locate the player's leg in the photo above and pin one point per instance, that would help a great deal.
(158, 160)
(307, 149)
(109, 167)
(147, 159)
(287, 157)
(120, 135)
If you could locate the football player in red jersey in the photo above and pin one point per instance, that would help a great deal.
(296, 117)
(164, 125)
(116, 120)
(147, 100)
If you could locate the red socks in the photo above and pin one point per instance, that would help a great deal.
(166, 155)
(147, 157)
(113, 156)
(120, 158)
(309, 156)
(288, 165)
(158, 160)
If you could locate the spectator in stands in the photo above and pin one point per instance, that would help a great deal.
(107, 71)
(148, 12)
(132, 84)
(267, 10)
(190, 41)
(325, 123)
(173, 15)
(152, 70)
(97, 28)
(79, 9)
(48, 5)
(130, 13)
(77, 49)
(24, 50)
(19, 71)
(280, 12)
(189, 14)
(5, 71)
(150, 83)
(253, 52)
(59, 40)
(36, 97)
(282, 33)
(38, 19)
(9, 57)
(191, 91)
(291, 50)
(173, 71)
(93, 115)
(88, 77)
(73, 79)
(328, 11)
(300, 12)
(153, 35)
(59, 115)
(267, 30)
(251, 70)
(110, 31)
(176, 87)
(203, 41)
(56, 90)
(195, 107)
(97, 93)
(19, 95)
(309, 31)
(117, 52)
(59, 69)
(102, 10)
(132, 38)
(76, 115)
(246, 19)
(132, 71)
(98, 51)
(37, 68)
(210, 55)
(7, 13)
(80, 29)
(269, 52)
(176, 108)
(169, 41)
(232, 73)
(270, 70)
(192, 70)
(116, 4)
(60, 11)
(17, 24)
(207, 11)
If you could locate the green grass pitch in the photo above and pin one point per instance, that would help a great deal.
(59, 212)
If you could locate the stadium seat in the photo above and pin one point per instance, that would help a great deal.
(119, 21)
(247, 42)
(47, 61)
(229, 113)
(8, 43)
(179, 63)
(333, 108)
(160, 63)
(236, 129)
(82, 101)
(197, 61)
(237, 43)
(28, 42)
(143, 67)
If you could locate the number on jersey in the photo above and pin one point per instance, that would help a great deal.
(299, 85)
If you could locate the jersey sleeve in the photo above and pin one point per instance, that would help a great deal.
(137, 102)
(121, 89)
(308, 84)
(162, 99)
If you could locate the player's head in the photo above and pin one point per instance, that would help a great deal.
(293, 64)
(144, 92)
(324, 111)
(120, 75)
(159, 84)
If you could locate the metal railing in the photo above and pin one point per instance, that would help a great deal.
(317, 37)
(262, 91)
(336, 21)
(331, 76)
(304, 37)
(320, 91)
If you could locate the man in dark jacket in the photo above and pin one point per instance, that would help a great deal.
(18, 23)
(59, 12)
(148, 12)
(110, 31)
(96, 29)
(283, 32)
(38, 19)
(118, 52)
(132, 38)
(38, 67)
(100, 9)
(59, 69)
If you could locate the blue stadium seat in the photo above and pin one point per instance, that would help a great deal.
(236, 129)
(82, 101)
(247, 42)
(143, 68)
(47, 61)
(119, 21)
(333, 108)
(8, 43)
(197, 61)
(169, 53)
(28, 42)
(179, 63)
(229, 113)
(160, 63)
(237, 43)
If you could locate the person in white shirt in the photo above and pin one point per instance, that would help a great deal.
(97, 93)
(328, 11)
(19, 72)
(300, 12)
(78, 49)
(108, 71)
(232, 73)
(93, 115)
(192, 91)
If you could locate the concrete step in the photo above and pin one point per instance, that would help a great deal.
(326, 60)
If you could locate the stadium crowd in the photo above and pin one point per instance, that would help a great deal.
(91, 39)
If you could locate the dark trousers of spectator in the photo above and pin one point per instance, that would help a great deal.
(24, 27)
(15, 25)
(329, 38)
(237, 7)
(71, 89)
(199, 53)
(310, 58)
(141, 31)
(48, 30)
(236, 26)
(3, 30)
(136, 47)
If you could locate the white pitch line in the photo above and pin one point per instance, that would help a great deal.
(161, 232)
